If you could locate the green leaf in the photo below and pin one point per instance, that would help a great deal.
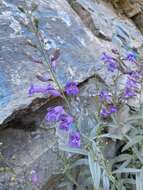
(79, 162)
(106, 183)
(139, 180)
(127, 170)
(128, 181)
(74, 150)
(95, 170)
(93, 131)
(124, 164)
(137, 139)
(134, 118)
(121, 158)
(112, 136)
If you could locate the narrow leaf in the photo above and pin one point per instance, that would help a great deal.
(95, 170)
(74, 150)
(106, 183)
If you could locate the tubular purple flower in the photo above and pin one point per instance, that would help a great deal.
(37, 89)
(110, 61)
(128, 93)
(66, 118)
(64, 126)
(71, 88)
(74, 139)
(112, 109)
(136, 75)
(132, 57)
(104, 112)
(44, 77)
(54, 113)
(53, 92)
(131, 84)
(107, 111)
(104, 95)
(49, 89)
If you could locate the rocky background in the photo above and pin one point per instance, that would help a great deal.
(82, 29)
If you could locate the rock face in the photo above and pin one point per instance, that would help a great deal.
(80, 49)
(63, 29)
(82, 30)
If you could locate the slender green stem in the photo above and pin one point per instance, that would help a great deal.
(42, 51)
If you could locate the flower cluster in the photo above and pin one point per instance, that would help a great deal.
(110, 61)
(132, 84)
(108, 110)
(104, 95)
(71, 88)
(48, 89)
(107, 107)
(132, 57)
(57, 113)
(131, 87)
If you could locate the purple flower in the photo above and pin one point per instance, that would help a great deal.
(52, 91)
(111, 62)
(74, 139)
(131, 57)
(37, 89)
(132, 85)
(64, 126)
(44, 77)
(34, 177)
(71, 88)
(66, 118)
(104, 95)
(49, 89)
(107, 111)
(104, 112)
(55, 113)
(112, 109)
(136, 75)
(128, 93)
(66, 121)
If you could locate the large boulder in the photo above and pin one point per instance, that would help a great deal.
(63, 29)
(80, 48)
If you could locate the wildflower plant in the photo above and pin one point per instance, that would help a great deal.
(117, 121)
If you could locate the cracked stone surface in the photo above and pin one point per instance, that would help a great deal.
(107, 22)
(63, 29)
(80, 48)
(26, 146)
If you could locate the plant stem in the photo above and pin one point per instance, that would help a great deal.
(42, 51)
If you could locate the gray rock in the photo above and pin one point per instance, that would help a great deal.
(105, 23)
(27, 146)
(63, 29)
